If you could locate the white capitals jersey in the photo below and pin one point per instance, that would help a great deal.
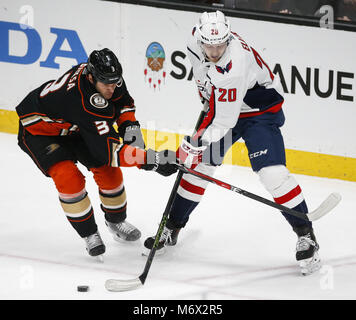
(239, 85)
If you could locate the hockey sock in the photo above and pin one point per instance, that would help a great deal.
(79, 213)
(296, 222)
(73, 197)
(286, 191)
(180, 211)
(113, 203)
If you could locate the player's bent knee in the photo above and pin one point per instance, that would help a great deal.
(107, 178)
(273, 177)
(67, 177)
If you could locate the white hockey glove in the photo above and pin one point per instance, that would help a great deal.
(190, 152)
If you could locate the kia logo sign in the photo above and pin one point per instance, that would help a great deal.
(34, 46)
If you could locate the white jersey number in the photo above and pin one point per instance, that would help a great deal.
(54, 85)
(102, 127)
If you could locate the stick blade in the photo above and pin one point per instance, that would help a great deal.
(117, 285)
(326, 206)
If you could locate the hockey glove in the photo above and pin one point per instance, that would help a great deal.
(163, 162)
(190, 152)
(131, 134)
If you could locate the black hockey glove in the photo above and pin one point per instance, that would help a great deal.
(130, 132)
(163, 162)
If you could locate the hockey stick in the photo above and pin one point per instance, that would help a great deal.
(326, 206)
(131, 284)
(125, 285)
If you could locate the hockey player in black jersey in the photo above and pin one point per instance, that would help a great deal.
(72, 120)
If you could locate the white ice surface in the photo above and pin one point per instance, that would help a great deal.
(232, 248)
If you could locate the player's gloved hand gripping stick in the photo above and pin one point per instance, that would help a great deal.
(190, 152)
(125, 285)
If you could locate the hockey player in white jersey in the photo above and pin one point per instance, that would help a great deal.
(242, 99)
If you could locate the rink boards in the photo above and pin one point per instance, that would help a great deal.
(42, 41)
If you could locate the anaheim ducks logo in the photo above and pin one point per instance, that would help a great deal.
(52, 147)
(98, 101)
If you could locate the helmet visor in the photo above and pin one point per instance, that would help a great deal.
(108, 79)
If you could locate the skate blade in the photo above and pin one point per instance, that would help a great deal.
(310, 266)
(123, 241)
(99, 258)
(160, 252)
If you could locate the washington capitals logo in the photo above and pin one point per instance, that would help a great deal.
(226, 69)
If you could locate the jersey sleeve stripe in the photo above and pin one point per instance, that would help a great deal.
(124, 155)
(128, 110)
(49, 129)
(34, 116)
(114, 147)
(273, 109)
(126, 116)
(29, 121)
(209, 117)
(38, 124)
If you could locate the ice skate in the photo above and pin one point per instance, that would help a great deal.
(95, 246)
(123, 231)
(168, 237)
(307, 254)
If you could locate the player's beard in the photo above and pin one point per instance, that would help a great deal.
(107, 95)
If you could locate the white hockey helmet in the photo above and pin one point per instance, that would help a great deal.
(213, 28)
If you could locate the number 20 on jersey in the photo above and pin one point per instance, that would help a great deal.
(227, 95)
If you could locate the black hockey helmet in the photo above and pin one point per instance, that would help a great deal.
(104, 66)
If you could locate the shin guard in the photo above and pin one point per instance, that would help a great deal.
(73, 197)
(286, 191)
(112, 192)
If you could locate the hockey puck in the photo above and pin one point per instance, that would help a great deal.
(83, 288)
